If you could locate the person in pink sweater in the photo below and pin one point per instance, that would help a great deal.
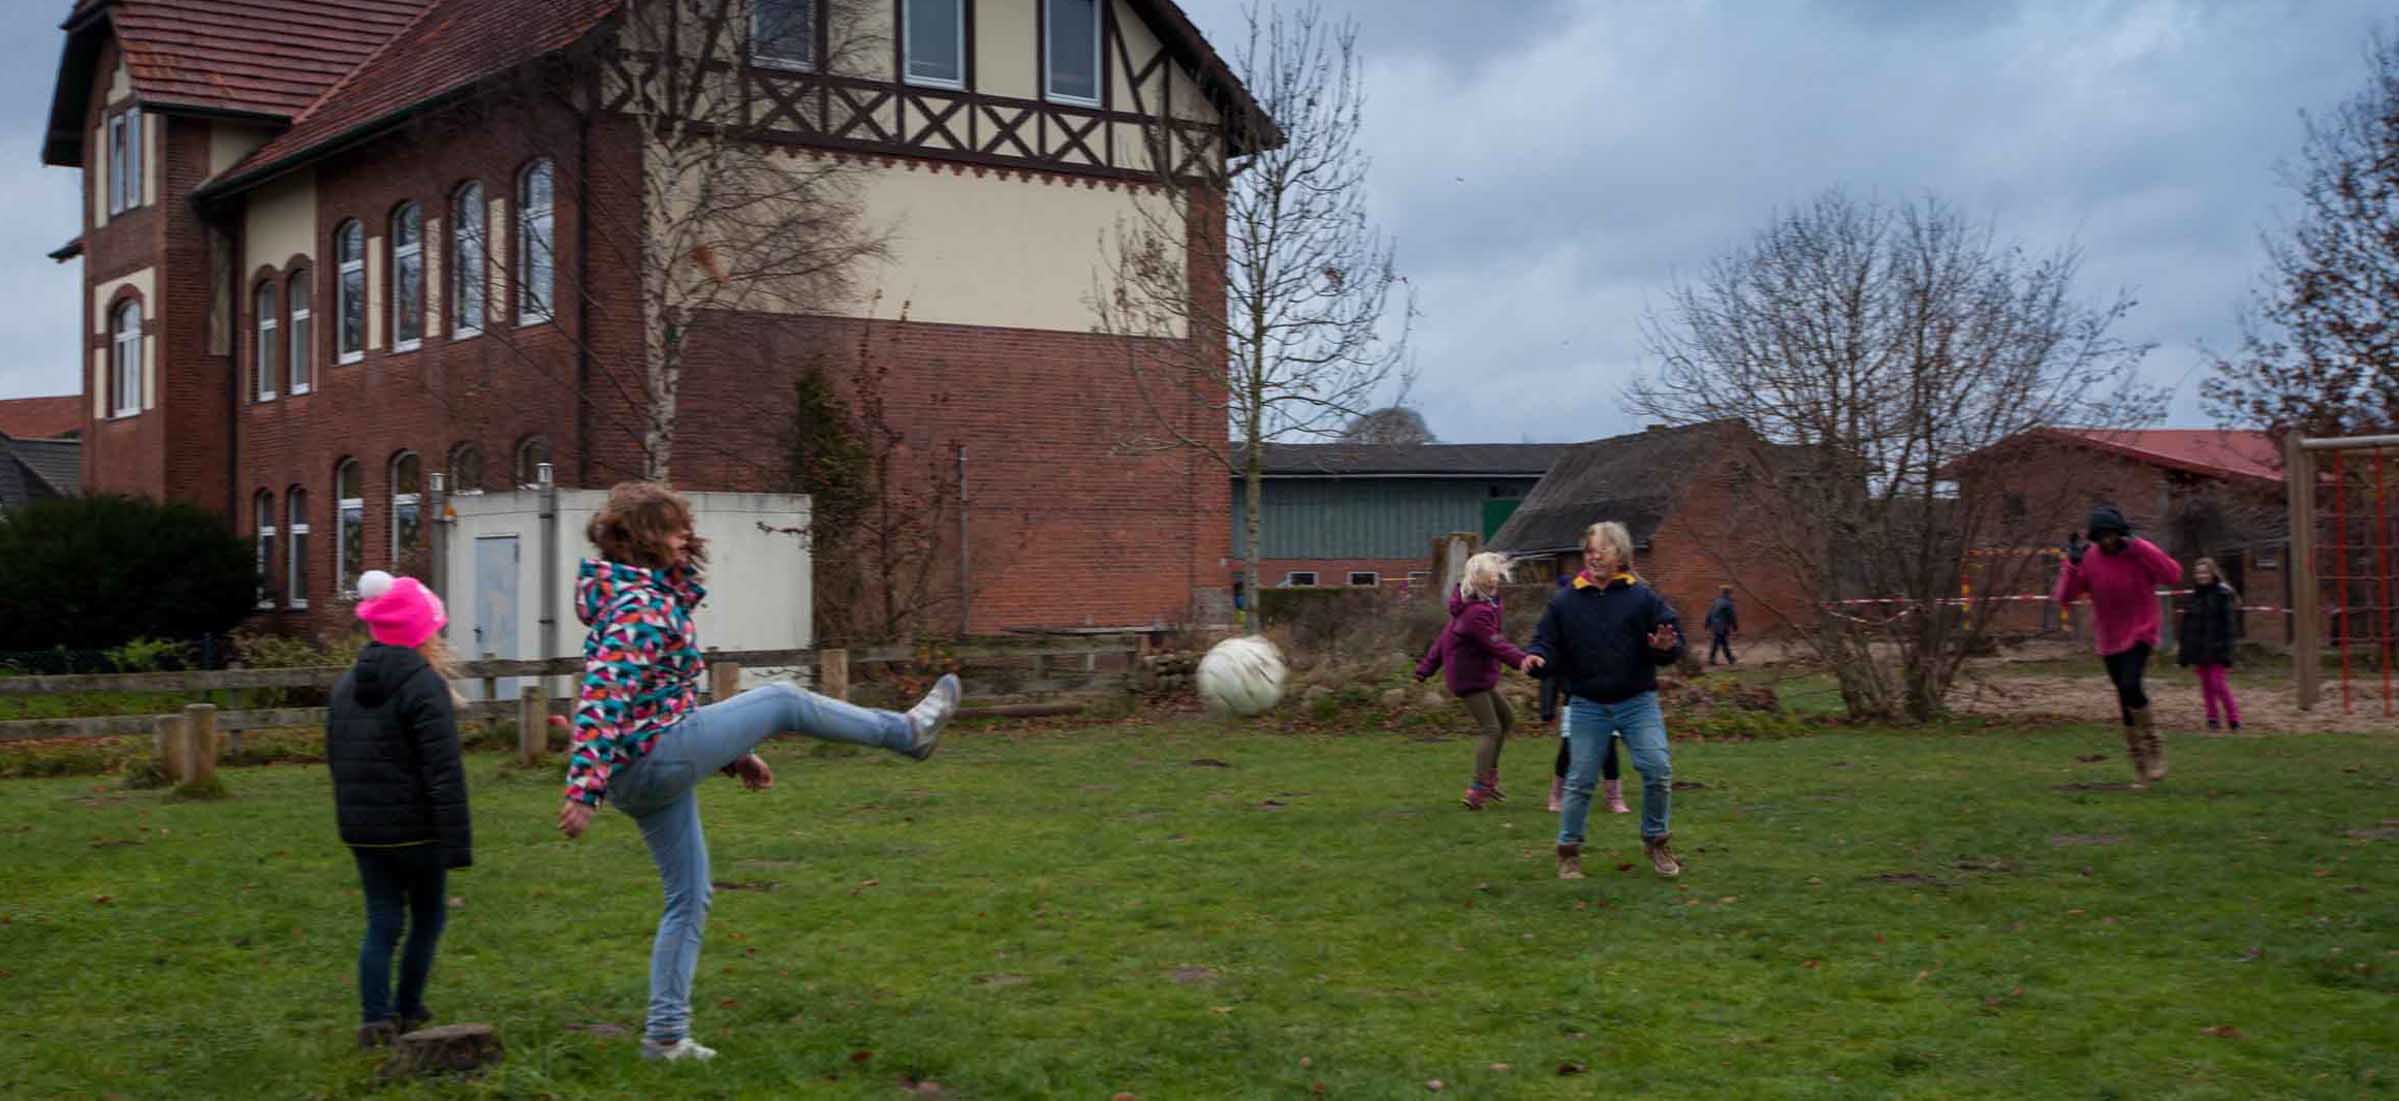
(2122, 581)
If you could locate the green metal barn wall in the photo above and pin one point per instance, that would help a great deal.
(1367, 517)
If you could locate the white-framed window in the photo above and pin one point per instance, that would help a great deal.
(466, 470)
(536, 266)
(783, 33)
(350, 541)
(1418, 579)
(263, 507)
(1300, 579)
(295, 567)
(1071, 51)
(301, 360)
(350, 253)
(269, 339)
(1364, 579)
(530, 455)
(124, 162)
(407, 503)
(470, 249)
(934, 32)
(408, 278)
(125, 359)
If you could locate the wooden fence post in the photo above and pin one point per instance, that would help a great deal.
(169, 747)
(833, 673)
(2299, 566)
(199, 743)
(491, 685)
(532, 725)
(724, 680)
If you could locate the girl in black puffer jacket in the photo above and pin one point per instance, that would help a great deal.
(2210, 623)
(399, 794)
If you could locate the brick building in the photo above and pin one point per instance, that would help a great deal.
(1679, 492)
(1340, 514)
(334, 248)
(2193, 491)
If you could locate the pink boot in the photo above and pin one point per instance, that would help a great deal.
(1477, 795)
(1615, 793)
(1557, 794)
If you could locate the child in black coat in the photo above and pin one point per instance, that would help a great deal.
(399, 795)
(2210, 625)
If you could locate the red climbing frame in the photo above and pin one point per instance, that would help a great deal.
(2342, 580)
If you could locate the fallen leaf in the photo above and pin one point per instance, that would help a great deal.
(1123, 1096)
(1318, 1088)
(1570, 1068)
(871, 883)
(457, 903)
(1625, 867)
(2222, 1032)
(1502, 1068)
(2322, 872)
(1305, 1062)
(1811, 965)
(1220, 1009)
(861, 1057)
(103, 900)
(1435, 1085)
(727, 1003)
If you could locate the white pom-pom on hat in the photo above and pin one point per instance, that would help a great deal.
(373, 583)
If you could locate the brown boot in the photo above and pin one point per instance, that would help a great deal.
(1661, 855)
(2138, 753)
(2153, 746)
(1570, 862)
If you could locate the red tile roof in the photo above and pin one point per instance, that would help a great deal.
(2212, 451)
(449, 46)
(41, 418)
(267, 57)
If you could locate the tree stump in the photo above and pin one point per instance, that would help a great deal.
(443, 1049)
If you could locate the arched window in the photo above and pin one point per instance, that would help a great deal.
(469, 260)
(530, 455)
(408, 277)
(263, 508)
(466, 469)
(295, 518)
(302, 357)
(264, 309)
(125, 358)
(536, 264)
(350, 252)
(350, 543)
(407, 503)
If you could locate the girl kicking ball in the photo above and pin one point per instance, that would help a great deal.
(1470, 652)
(641, 740)
(1604, 636)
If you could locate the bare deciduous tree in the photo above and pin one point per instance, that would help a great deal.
(2320, 343)
(1308, 329)
(1877, 351)
(1397, 424)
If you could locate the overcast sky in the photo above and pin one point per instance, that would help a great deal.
(1550, 166)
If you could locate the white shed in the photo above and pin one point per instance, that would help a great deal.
(508, 563)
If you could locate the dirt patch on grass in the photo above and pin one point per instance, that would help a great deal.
(1995, 691)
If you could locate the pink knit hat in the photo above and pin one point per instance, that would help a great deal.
(399, 611)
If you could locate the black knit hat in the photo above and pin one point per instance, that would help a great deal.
(2105, 518)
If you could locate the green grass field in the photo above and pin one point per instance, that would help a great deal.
(1195, 913)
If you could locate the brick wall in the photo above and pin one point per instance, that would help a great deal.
(120, 455)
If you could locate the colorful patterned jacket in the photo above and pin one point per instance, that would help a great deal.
(641, 667)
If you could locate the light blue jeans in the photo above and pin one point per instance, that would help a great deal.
(659, 791)
(1589, 725)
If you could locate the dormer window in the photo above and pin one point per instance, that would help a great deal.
(936, 40)
(1071, 51)
(783, 33)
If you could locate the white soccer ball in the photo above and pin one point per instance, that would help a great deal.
(1241, 676)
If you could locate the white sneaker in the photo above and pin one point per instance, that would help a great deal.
(932, 713)
(683, 1050)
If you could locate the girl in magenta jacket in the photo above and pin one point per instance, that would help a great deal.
(1470, 653)
(2122, 581)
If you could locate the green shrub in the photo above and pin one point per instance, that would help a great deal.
(88, 573)
(150, 655)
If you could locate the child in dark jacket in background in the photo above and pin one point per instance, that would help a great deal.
(399, 794)
(2210, 625)
(1611, 775)
(1470, 652)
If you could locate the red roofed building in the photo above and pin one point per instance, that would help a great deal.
(333, 247)
(2194, 491)
(55, 418)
